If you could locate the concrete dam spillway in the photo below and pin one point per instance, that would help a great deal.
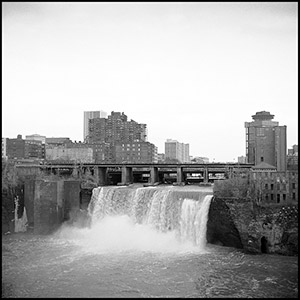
(155, 219)
(141, 242)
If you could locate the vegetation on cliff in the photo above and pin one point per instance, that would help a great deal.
(237, 187)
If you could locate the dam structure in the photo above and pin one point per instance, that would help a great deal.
(151, 218)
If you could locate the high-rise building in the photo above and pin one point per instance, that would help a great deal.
(88, 115)
(116, 129)
(266, 141)
(176, 150)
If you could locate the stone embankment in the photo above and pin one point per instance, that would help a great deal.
(240, 223)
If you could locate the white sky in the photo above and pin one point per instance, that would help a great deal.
(193, 72)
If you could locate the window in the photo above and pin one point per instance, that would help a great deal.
(267, 197)
(272, 197)
(259, 131)
(293, 185)
(284, 197)
(294, 196)
(266, 186)
(278, 198)
(272, 186)
(261, 158)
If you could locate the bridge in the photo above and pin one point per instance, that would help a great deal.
(126, 173)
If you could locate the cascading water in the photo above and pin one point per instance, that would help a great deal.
(155, 219)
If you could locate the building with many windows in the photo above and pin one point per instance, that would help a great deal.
(272, 186)
(177, 151)
(266, 141)
(34, 149)
(136, 152)
(112, 133)
(89, 115)
(116, 129)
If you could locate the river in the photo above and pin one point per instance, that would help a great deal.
(141, 243)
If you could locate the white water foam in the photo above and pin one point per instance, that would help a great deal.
(142, 220)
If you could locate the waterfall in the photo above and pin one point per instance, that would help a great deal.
(149, 218)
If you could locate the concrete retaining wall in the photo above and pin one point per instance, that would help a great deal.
(49, 203)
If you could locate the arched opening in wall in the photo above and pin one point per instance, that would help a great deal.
(264, 245)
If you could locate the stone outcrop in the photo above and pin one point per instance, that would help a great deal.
(239, 223)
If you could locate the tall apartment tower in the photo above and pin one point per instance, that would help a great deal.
(176, 150)
(266, 141)
(116, 129)
(87, 115)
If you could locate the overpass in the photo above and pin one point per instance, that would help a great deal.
(126, 173)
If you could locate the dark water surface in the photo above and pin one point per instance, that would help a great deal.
(51, 266)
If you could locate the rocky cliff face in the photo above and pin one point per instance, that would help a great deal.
(237, 222)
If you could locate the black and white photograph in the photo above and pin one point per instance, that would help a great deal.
(149, 149)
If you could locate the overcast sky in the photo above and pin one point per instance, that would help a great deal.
(193, 72)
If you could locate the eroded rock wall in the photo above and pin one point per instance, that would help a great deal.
(237, 222)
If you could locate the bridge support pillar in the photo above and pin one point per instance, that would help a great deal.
(101, 175)
(205, 175)
(179, 175)
(153, 175)
(126, 175)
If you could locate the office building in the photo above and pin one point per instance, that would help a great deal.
(266, 141)
(177, 151)
(88, 115)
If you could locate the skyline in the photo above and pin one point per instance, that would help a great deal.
(193, 72)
